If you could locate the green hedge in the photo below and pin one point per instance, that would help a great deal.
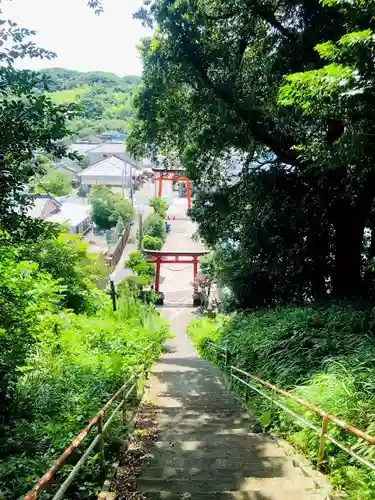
(152, 243)
(154, 226)
(159, 206)
(325, 355)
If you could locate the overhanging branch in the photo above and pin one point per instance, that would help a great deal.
(261, 127)
(262, 11)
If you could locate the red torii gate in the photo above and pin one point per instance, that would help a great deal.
(171, 175)
(160, 257)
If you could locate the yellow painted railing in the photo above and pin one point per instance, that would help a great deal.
(127, 394)
(248, 381)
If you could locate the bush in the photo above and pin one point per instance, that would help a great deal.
(109, 207)
(55, 183)
(154, 225)
(57, 368)
(159, 206)
(27, 298)
(66, 259)
(138, 264)
(152, 243)
(79, 363)
(326, 355)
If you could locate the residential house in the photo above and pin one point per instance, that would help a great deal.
(44, 206)
(106, 150)
(75, 215)
(113, 171)
(68, 166)
(112, 136)
(90, 139)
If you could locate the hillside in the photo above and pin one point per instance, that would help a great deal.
(106, 99)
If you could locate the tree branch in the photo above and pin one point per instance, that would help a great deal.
(261, 128)
(261, 11)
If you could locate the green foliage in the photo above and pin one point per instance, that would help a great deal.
(59, 79)
(105, 100)
(154, 226)
(207, 264)
(57, 367)
(152, 243)
(27, 298)
(30, 124)
(325, 355)
(108, 207)
(80, 362)
(159, 206)
(275, 133)
(55, 183)
(42, 126)
(66, 259)
(138, 264)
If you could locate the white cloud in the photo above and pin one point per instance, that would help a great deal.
(82, 40)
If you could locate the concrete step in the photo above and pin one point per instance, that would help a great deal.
(201, 433)
(247, 464)
(234, 495)
(201, 405)
(218, 467)
(191, 413)
(185, 416)
(255, 445)
(280, 488)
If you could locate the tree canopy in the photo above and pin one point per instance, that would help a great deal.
(109, 207)
(105, 99)
(268, 107)
(30, 123)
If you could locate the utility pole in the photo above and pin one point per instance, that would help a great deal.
(113, 292)
(123, 180)
(140, 228)
(131, 185)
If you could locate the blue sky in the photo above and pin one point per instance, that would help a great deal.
(82, 40)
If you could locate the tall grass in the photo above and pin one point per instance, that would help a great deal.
(77, 364)
(325, 355)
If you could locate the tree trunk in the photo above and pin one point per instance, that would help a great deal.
(371, 250)
(349, 226)
(318, 280)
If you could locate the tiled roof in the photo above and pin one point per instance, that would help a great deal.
(109, 167)
(109, 147)
(39, 207)
(82, 149)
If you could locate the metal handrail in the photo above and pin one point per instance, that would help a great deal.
(97, 421)
(236, 374)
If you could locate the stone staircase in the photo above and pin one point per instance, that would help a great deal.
(206, 447)
(202, 455)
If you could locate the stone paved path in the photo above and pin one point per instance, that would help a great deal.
(206, 449)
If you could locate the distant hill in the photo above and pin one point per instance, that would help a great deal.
(106, 99)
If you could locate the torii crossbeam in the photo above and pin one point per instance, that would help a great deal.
(174, 176)
(160, 257)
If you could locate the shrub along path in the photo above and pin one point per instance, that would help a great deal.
(205, 448)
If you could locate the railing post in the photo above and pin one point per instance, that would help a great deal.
(272, 404)
(323, 431)
(227, 358)
(101, 441)
(134, 393)
(124, 408)
(247, 393)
